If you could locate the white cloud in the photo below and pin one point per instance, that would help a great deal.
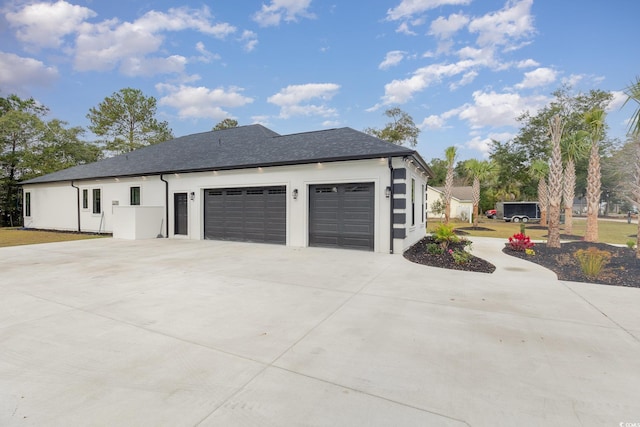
(497, 109)
(446, 27)
(104, 45)
(401, 91)
(408, 8)
(619, 98)
(250, 40)
(261, 120)
(538, 77)
(205, 55)
(294, 100)
(183, 18)
(432, 122)
(466, 79)
(17, 72)
(111, 43)
(506, 26)
(527, 63)
(404, 29)
(481, 56)
(173, 64)
(46, 24)
(573, 79)
(392, 58)
(483, 145)
(271, 14)
(202, 102)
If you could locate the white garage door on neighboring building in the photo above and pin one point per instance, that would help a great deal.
(256, 214)
(342, 215)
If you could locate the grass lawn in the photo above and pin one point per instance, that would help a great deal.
(608, 231)
(16, 237)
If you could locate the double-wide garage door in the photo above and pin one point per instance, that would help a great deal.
(341, 215)
(246, 214)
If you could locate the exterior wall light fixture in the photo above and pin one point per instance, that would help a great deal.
(387, 192)
(294, 194)
(192, 195)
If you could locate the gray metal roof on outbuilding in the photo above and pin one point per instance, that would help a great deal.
(236, 148)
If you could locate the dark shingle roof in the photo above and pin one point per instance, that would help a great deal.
(235, 148)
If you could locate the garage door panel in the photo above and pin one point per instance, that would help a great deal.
(246, 214)
(342, 215)
(355, 243)
(358, 216)
(363, 229)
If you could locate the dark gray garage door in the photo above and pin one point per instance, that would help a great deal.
(341, 215)
(246, 214)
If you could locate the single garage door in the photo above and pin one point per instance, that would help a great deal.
(246, 214)
(341, 215)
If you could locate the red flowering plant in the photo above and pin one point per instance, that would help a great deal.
(520, 242)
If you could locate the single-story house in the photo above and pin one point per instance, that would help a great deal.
(461, 202)
(336, 188)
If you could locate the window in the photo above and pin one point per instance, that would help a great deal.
(85, 199)
(27, 204)
(413, 201)
(97, 208)
(135, 196)
(422, 204)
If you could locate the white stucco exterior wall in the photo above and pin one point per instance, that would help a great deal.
(55, 206)
(138, 222)
(52, 207)
(298, 177)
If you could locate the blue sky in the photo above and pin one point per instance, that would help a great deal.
(463, 69)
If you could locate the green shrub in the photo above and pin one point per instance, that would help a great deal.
(592, 261)
(460, 256)
(631, 244)
(444, 235)
(434, 249)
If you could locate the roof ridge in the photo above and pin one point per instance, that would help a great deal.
(311, 131)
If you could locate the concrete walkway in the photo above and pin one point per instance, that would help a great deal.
(185, 333)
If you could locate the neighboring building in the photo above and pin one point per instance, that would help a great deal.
(336, 188)
(461, 202)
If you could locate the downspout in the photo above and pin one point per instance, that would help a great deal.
(391, 206)
(78, 203)
(166, 205)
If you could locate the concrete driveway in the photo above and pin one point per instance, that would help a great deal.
(184, 333)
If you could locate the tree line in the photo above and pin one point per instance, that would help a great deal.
(561, 152)
(32, 145)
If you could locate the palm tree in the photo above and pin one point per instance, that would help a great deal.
(594, 119)
(479, 170)
(450, 157)
(555, 181)
(574, 147)
(633, 94)
(539, 169)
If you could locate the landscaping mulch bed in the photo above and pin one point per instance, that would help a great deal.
(418, 254)
(475, 228)
(622, 270)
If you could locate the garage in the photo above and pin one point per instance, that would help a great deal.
(342, 215)
(256, 214)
